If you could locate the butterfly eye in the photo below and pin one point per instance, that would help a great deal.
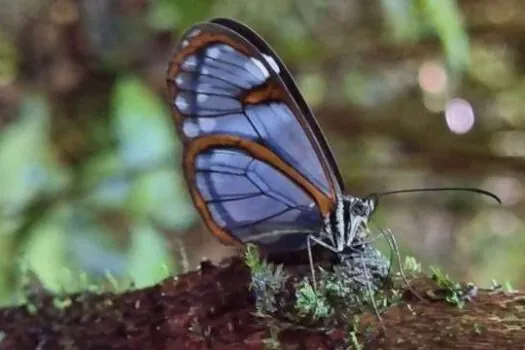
(360, 208)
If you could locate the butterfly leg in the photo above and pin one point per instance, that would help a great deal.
(311, 260)
(312, 238)
(309, 239)
(373, 239)
(393, 243)
(371, 294)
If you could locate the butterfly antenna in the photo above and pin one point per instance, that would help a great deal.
(439, 189)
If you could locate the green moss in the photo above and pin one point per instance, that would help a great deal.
(354, 343)
(411, 266)
(266, 280)
(453, 292)
(62, 303)
(31, 308)
(200, 331)
(311, 303)
(507, 287)
(478, 328)
(272, 342)
(338, 299)
(113, 282)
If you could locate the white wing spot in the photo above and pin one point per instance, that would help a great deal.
(179, 80)
(201, 98)
(213, 52)
(190, 129)
(272, 63)
(184, 43)
(261, 66)
(181, 103)
(190, 62)
(193, 33)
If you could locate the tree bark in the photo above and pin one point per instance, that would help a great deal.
(213, 308)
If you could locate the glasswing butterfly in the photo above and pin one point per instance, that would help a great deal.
(255, 160)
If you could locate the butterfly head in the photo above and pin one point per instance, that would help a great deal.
(350, 216)
(359, 212)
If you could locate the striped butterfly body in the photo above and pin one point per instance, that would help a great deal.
(256, 163)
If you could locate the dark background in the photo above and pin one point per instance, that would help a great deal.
(423, 93)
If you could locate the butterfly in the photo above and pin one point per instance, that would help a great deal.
(256, 163)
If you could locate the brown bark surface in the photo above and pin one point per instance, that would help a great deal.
(214, 309)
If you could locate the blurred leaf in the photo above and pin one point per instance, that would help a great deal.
(144, 129)
(491, 252)
(114, 34)
(92, 245)
(296, 43)
(402, 19)
(446, 20)
(355, 85)
(142, 124)
(369, 90)
(112, 183)
(45, 251)
(494, 66)
(25, 157)
(508, 105)
(178, 14)
(28, 175)
(163, 14)
(161, 196)
(149, 257)
(313, 87)
(6, 264)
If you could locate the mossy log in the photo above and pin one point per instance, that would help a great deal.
(213, 308)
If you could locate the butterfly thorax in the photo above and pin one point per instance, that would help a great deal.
(350, 215)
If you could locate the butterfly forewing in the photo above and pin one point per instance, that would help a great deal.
(317, 136)
(253, 165)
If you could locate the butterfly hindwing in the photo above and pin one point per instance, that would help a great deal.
(248, 195)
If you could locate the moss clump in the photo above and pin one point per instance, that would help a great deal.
(267, 280)
(352, 286)
(449, 290)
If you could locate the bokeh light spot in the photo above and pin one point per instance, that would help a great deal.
(432, 77)
(459, 116)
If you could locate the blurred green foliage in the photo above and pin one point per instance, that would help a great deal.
(412, 20)
(65, 231)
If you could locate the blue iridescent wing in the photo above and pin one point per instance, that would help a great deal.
(247, 193)
(254, 166)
